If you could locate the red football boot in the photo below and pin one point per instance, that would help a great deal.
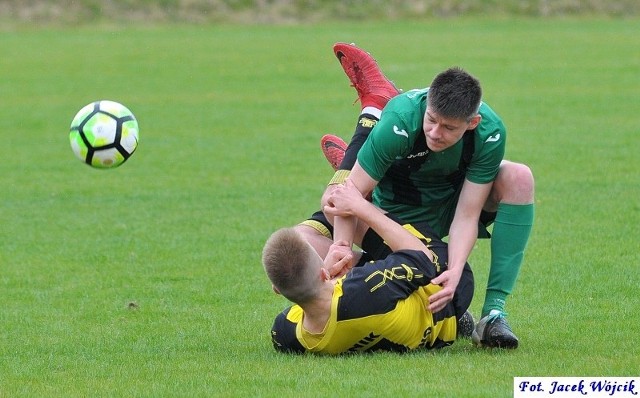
(333, 148)
(373, 88)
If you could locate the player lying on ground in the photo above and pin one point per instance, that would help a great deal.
(379, 305)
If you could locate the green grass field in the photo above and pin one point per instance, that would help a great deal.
(145, 281)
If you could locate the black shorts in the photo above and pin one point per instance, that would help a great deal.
(486, 219)
(375, 248)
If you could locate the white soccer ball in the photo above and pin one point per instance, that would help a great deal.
(104, 134)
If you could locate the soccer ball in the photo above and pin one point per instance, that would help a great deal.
(104, 134)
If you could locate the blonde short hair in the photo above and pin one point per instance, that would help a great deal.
(292, 265)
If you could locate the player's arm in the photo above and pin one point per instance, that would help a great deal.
(344, 226)
(463, 234)
(375, 154)
(378, 151)
(347, 201)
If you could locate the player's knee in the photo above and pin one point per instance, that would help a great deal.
(516, 183)
(523, 177)
(324, 200)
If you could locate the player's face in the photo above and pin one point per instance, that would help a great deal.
(442, 132)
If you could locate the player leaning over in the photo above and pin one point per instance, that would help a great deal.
(435, 155)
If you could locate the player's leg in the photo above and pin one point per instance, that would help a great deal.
(461, 301)
(512, 201)
(374, 91)
(342, 156)
(334, 149)
(373, 87)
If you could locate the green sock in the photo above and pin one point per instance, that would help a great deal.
(510, 234)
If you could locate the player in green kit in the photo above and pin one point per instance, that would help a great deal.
(435, 155)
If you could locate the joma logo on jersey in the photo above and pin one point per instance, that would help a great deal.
(367, 123)
(400, 272)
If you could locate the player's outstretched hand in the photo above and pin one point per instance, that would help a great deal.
(339, 259)
(449, 281)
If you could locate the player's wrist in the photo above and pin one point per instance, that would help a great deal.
(341, 243)
(456, 272)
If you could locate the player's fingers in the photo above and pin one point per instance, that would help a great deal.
(329, 210)
(336, 254)
(438, 304)
(341, 266)
(435, 306)
(438, 300)
(334, 210)
(438, 279)
(345, 258)
(435, 297)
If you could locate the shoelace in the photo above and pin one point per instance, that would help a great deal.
(357, 80)
(491, 318)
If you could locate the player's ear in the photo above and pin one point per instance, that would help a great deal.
(474, 122)
(275, 289)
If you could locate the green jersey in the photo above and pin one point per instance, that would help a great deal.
(419, 185)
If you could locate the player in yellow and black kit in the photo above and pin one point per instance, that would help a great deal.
(380, 305)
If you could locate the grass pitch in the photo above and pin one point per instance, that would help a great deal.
(146, 280)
